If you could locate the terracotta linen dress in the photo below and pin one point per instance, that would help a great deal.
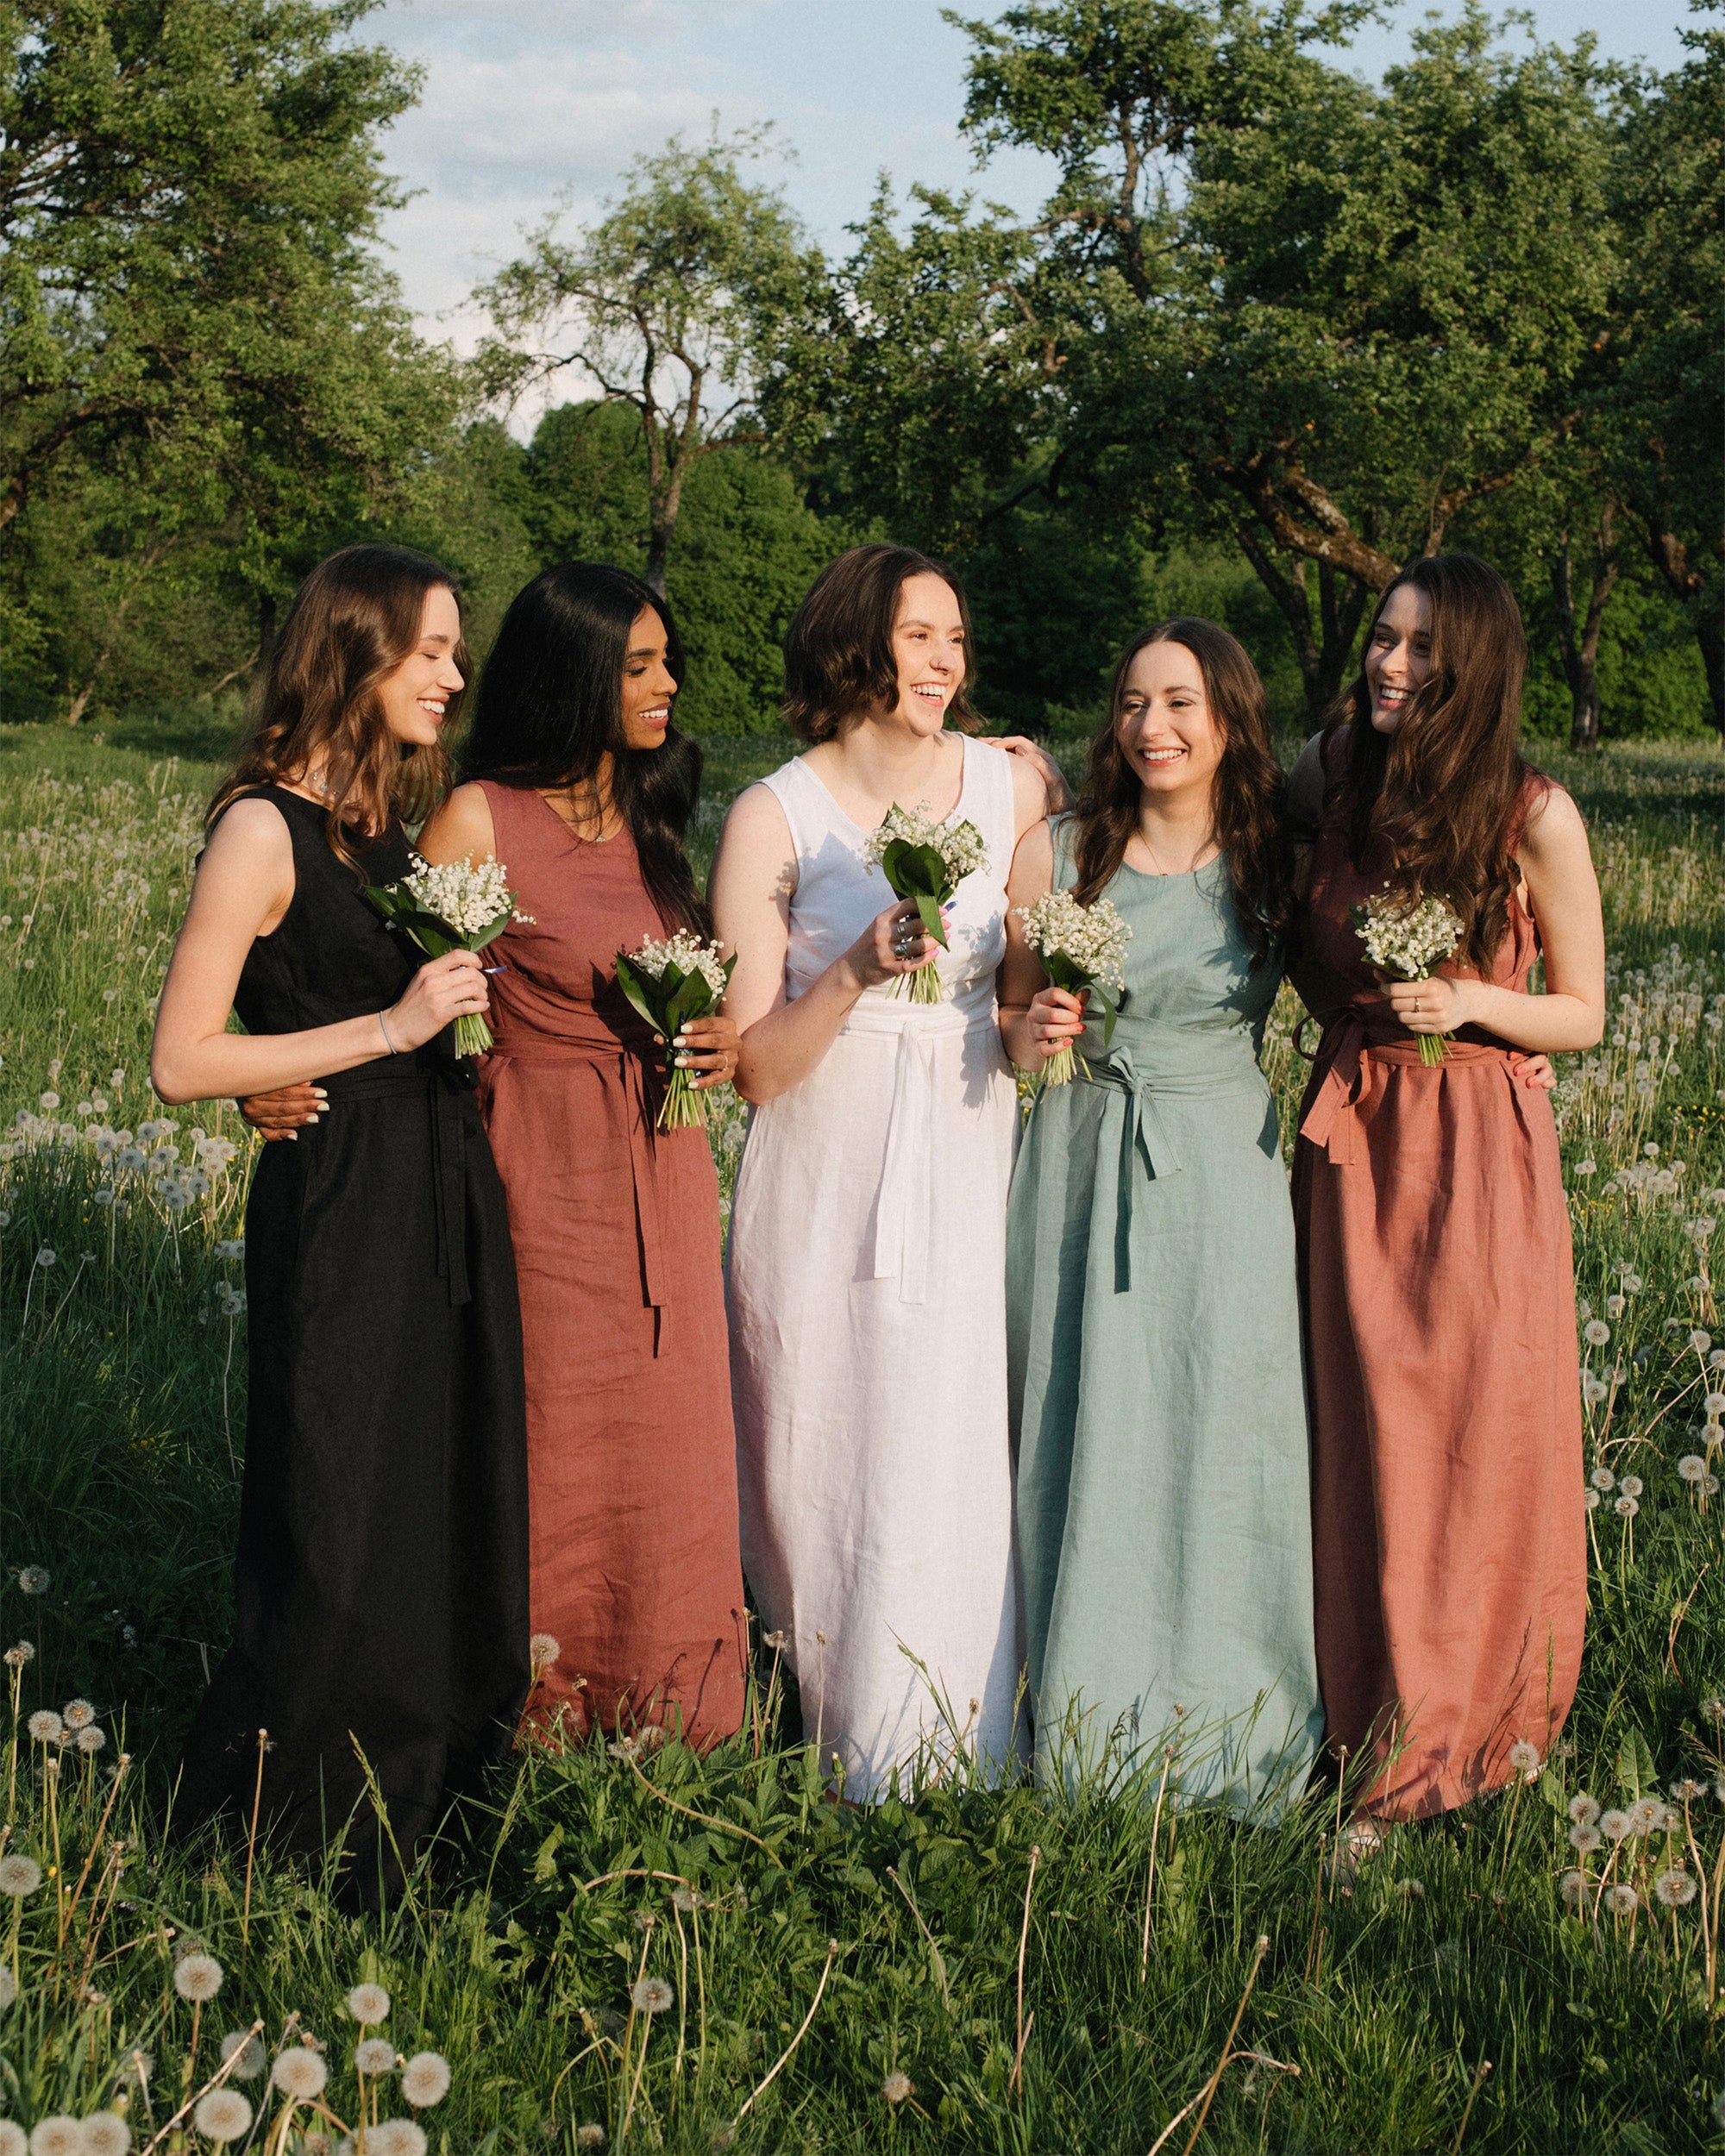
(1439, 1309)
(631, 1458)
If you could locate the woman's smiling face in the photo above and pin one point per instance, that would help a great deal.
(1166, 729)
(648, 684)
(928, 651)
(1398, 659)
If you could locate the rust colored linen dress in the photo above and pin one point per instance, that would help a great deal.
(630, 1455)
(1438, 1302)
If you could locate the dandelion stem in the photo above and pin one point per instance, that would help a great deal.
(1259, 1952)
(706, 1819)
(778, 2063)
(125, 1760)
(1150, 1881)
(215, 2081)
(1024, 1940)
(251, 1848)
(939, 1965)
(1479, 2073)
(1317, 1910)
(682, 1987)
(628, 2030)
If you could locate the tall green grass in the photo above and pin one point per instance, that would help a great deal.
(994, 1968)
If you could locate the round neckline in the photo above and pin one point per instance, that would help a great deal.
(568, 828)
(1181, 875)
(801, 764)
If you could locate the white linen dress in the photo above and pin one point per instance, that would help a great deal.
(865, 1284)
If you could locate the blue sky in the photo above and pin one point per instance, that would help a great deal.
(527, 99)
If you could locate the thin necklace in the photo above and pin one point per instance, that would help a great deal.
(1156, 861)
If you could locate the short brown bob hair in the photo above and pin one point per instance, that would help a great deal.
(838, 649)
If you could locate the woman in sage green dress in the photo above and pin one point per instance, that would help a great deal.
(1153, 1328)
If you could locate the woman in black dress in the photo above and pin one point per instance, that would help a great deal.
(380, 1587)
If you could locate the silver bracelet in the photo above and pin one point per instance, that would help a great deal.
(384, 1029)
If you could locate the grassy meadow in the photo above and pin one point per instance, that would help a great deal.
(658, 1951)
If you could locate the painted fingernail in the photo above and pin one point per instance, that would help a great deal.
(681, 1062)
(319, 1093)
(311, 1118)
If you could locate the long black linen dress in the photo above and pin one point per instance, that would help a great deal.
(380, 1586)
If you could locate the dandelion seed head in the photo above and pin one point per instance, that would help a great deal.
(1687, 1790)
(9, 1987)
(1631, 1485)
(896, 2088)
(33, 1580)
(374, 2055)
(17, 1656)
(19, 1875)
(1674, 1887)
(1700, 1341)
(197, 1978)
(78, 1713)
(91, 1741)
(425, 2079)
(1593, 1390)
(396, 2137)
(590, 2136)
(57, 2136)
(1584, 1810)
(1626, 1508)
(1615, 1826)
(1603, 1478)
(1615, 1306)
(651, 1995)
(1524, 1757)
(13, 2141)
(1714, 1403)
(252, 2060)
(1585, 1837)
(1573, 1887)
(368, 2004)
(105, 2134)
(1622, 1900)
(300, 2073)
(1692, 1467)
(683, 1899)
(222, 2115)
(542, 1649)
(1646, 1814)
(1596, 1333)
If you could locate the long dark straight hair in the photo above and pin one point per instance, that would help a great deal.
(550, 706)
(1444, 790)
(351, 623)
(1245, 794)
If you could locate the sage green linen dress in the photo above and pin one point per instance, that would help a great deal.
(1158, 1411)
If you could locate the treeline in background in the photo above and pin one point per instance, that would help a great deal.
(1275, 330)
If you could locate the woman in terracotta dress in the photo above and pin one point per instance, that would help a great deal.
(577, 782)
(1437, 1287)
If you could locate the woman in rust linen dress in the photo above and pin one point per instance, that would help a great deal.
(631, 1456)
(1437, 1287)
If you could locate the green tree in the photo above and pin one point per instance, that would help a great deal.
(1329, 319)
(670, 304)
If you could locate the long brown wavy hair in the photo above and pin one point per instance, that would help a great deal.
(352, 622)
(838, 649)
(1245, 795)
(1442, 792)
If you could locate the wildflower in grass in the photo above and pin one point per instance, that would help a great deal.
(197, 1978)
(1410, 1889)
(589, 2137)
(1615, 1825)
(1631, 1485)
(1590, 1499)
(9, 1987)
(222, 2115)
(1524, 1758)
(651, 1995)
(1573, 1889)
(1584, 1810)
(57, 2136)
(1626, 1508)
(1585, 1838)
(543, 1650)
(1603, 1478)
(683, 1899)
(15, 1658)
(19, 1875)
(49, 1102)
(425, 2079)
(1615, 1306)
(78, 1713)
(896, 2088)
(1686, 1791)
(1596, 1333)
(91, 1741)
(105, 2134)
(1714, 1403)
(252, 2060)
(1586, 1168)
(1700, 1341)
(1622, 1899)
(32, 1579)
(1714, 1708)
(396, 2137)
(46, 1726)
(1646, 1814)
(1692, 1467)
(300, 2073)
(368, 2004)
(13, 2141)
(374, 2055)
(1592, 1391)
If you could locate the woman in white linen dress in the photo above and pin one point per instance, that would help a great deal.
(867, 1255)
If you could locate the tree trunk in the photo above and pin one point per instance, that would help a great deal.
(1323, 655)
(1580, 652)
(1710, 633)
(1669, 557)
(80, 702)
(658, 547)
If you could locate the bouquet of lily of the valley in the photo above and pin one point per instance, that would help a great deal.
(1080, 947)
(668, 984)
(1410, 941)
(460, 905)
(925, 860)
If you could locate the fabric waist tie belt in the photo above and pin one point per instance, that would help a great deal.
(443, 1083)
(902, 1203)
(630, 1061)
(1193, 1076)
(1332, 1120)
